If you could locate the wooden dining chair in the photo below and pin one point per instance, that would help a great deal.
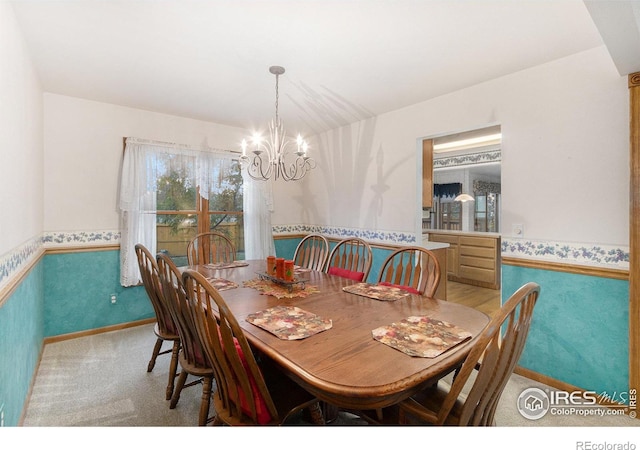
(312, 252)
(350, 258)
(165, 328)
(192, 358)
(247, 393)
(494, 355)
(210, 247)
(414, 269)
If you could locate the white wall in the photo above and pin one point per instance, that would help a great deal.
(565, 132)
(83, 156)
(565, 156)
(21, 192)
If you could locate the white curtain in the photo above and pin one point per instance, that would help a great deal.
(258, 205)
(144, 163)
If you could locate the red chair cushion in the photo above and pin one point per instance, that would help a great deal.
(262, 412)
(199, 355)
(344, 273)
(170, 326)
(405, 288)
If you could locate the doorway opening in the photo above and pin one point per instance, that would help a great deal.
(464, 200)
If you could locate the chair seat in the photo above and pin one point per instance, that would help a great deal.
(194, 369)
(165, 336)
(287, 396)
(431, 399)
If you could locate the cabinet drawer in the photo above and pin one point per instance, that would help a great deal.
(471, 258)
(482, 263)
(481, 252)
(478, 241)
(478, 274)
(443, 238)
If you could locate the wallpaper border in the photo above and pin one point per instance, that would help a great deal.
(609, 256)
(13, 262)
(385, 237)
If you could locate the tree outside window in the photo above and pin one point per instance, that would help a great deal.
(182, 212)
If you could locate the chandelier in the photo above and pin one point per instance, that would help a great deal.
(270, 157)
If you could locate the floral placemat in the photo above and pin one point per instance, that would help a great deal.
(221, 284)
(227, 265)
(267, 287)
(421, 336)
(376, 291)
(289, 322)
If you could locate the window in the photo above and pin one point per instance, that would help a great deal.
(182, 212)
(169, 193)
(487, 206)
(447, 213)
(450, 217)
(486, 217)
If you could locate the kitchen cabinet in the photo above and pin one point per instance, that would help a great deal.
(472, 258)
(441, 251)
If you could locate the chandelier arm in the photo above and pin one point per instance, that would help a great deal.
(256, 167)
(299, 168)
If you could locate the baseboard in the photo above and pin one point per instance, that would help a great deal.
(120, 326)
(544, 379)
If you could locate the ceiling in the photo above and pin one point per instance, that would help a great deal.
(345, 60)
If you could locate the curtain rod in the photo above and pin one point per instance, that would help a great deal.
(184, 146)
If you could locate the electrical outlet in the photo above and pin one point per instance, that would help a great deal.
(114, 299)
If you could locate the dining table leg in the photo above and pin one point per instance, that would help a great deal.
(330, 412)
(315, 411)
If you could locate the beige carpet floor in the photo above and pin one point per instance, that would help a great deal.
(101, 381)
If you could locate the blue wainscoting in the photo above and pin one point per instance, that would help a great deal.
(579, 333)
(63, 293)
(286, 247)
(21, 335)
(580, 328)
(77, 293)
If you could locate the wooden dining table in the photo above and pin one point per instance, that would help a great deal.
(344, 365)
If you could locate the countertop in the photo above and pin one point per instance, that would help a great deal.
(425, 233)
(432, 245)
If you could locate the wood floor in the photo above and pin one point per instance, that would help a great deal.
(482, 299)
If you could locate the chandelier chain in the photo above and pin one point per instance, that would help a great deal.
(277, 97)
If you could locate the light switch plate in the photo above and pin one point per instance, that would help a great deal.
(517, 230)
